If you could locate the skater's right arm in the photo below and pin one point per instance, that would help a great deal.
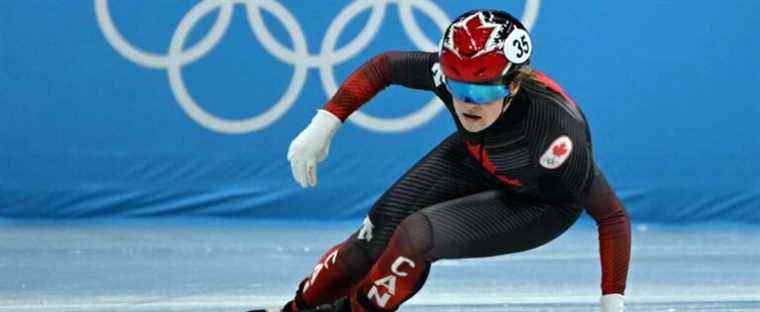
(409, 69)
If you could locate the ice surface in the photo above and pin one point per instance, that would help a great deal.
(213, 265)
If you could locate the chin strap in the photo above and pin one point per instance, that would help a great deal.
(505, 105)
(507, 101)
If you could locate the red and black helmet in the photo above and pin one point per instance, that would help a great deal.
(483, 46)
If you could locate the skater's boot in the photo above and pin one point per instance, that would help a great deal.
(342, 305)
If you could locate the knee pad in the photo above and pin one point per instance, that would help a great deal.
(401, 270)
(335, 274)
(414, 236)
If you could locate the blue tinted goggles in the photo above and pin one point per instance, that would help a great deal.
(477, 93)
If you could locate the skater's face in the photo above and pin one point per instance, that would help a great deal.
(477, 117)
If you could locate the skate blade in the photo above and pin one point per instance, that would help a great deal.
(265, 310)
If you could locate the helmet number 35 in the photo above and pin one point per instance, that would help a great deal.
(522, 45)
(517, 47)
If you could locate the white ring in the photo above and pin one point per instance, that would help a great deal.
(152, 60)
(299, 56)
(432, 107)
(229, 125)
(327, 54)
(530, 13)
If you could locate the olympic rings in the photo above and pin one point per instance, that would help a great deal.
(178, 55)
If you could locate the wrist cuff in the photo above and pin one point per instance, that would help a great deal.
(326, 121)
(612, 302)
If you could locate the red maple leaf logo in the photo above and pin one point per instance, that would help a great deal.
(559, 150)
(473, 37)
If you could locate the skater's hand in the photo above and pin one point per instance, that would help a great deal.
(311, 146)
(612, 303)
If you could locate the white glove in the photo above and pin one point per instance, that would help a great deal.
(612, 303)
(311, 146)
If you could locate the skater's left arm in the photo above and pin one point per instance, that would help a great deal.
(570, 172)
(614, 228)
(613, 225)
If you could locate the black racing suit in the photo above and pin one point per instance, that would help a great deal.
(514, 186)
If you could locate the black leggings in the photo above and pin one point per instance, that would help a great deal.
(462, 211)
(446, 207)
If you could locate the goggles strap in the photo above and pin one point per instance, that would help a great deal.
(505, 104)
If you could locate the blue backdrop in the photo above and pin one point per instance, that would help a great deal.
(145, 108)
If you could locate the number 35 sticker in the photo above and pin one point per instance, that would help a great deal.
(518, 47)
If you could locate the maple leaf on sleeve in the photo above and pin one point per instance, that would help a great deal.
(560, 150)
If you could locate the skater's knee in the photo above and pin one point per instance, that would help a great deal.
(366, 240)
(354, 256)
(414, 236)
